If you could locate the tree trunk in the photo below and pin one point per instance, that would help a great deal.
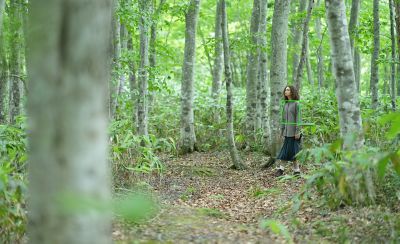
(143, 68)
(188, 136)
(252, 72)
(153, 53)
(116, 46)
(237, 164)
(393, 58)
(297, 39)
(278, 69)
(218, 63)
(355, 10)
(348, 103)
(397, 25)
(357, 68)
(15, 58)
(264, 79)
(320, 56)
(374, 59)
(3, 75)
(304, 45)
(133, 87)
(68, 72)
(310, 75)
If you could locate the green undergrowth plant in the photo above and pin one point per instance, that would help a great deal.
(353, 177)
(13, 180)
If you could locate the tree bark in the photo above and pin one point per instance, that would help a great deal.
(133, 87)
(304, 45)
(218, 62)
(3, 76)
(116, 52)
(2, 11)
(68, 72)
(374, 59)
(252, 72)
(188, 136)
(320, 56)
(393, 58)
(264, 79)
(278, 69)
(142, 102)
(297, 40)
(397, 25)
(237, 164)
(348, 103)
(15, 58)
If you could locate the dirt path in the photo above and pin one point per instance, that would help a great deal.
(205, 202)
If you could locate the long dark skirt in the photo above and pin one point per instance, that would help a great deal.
(289, 149)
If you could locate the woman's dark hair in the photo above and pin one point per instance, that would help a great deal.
(293, 90)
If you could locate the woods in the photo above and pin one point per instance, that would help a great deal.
(161, 120)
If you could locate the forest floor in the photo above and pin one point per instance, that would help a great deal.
(203, 201)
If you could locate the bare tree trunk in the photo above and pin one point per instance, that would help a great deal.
(153, 52)
(237, 164)
(393, 58)
(188, 136)
(133, 87)
(320, 56)
(68, 70)
(348, 103)
(310, 75)
(278, 69)
(264, 79)
(3, 72)
(116, 54)
(143, 68)
(2, 5)
(218, 63)
(303, 56)
(374, 59)
(397, 25)
(252, 72)
(15, 58)
(297, 39)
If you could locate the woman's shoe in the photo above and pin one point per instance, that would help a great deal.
(279, 172)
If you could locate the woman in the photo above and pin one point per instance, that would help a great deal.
(290, 130)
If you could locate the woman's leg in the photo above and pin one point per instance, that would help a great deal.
(280, 168)
(296, 167)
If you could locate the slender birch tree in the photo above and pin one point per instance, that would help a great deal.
(348, 102)
(3, 68)
(297, 39)
(320, 56)
(142, 102)
(353, 24)
(278, 69)
(252, 72)
(237, 164)
(374, 59)
(188, 136)
(393, 58)
(218, 62)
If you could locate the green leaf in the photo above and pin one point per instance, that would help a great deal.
(277, 228)
(395, 158)
(382, 164)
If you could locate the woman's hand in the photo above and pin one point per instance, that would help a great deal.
(297, 136)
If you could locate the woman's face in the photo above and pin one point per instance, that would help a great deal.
(288, 93)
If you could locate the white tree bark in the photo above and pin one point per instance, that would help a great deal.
(188, 136)
(304, 47)
(252, 72)
(237, 164)
(348, 103)
(320, 56)
(3, 74)
(297, 39)
(2, 5)
(142, 102)
(278, 69)
(264, 78)
(374, 59)
(393, 57)
(68, 72)
(218, 62)
(15, 59)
